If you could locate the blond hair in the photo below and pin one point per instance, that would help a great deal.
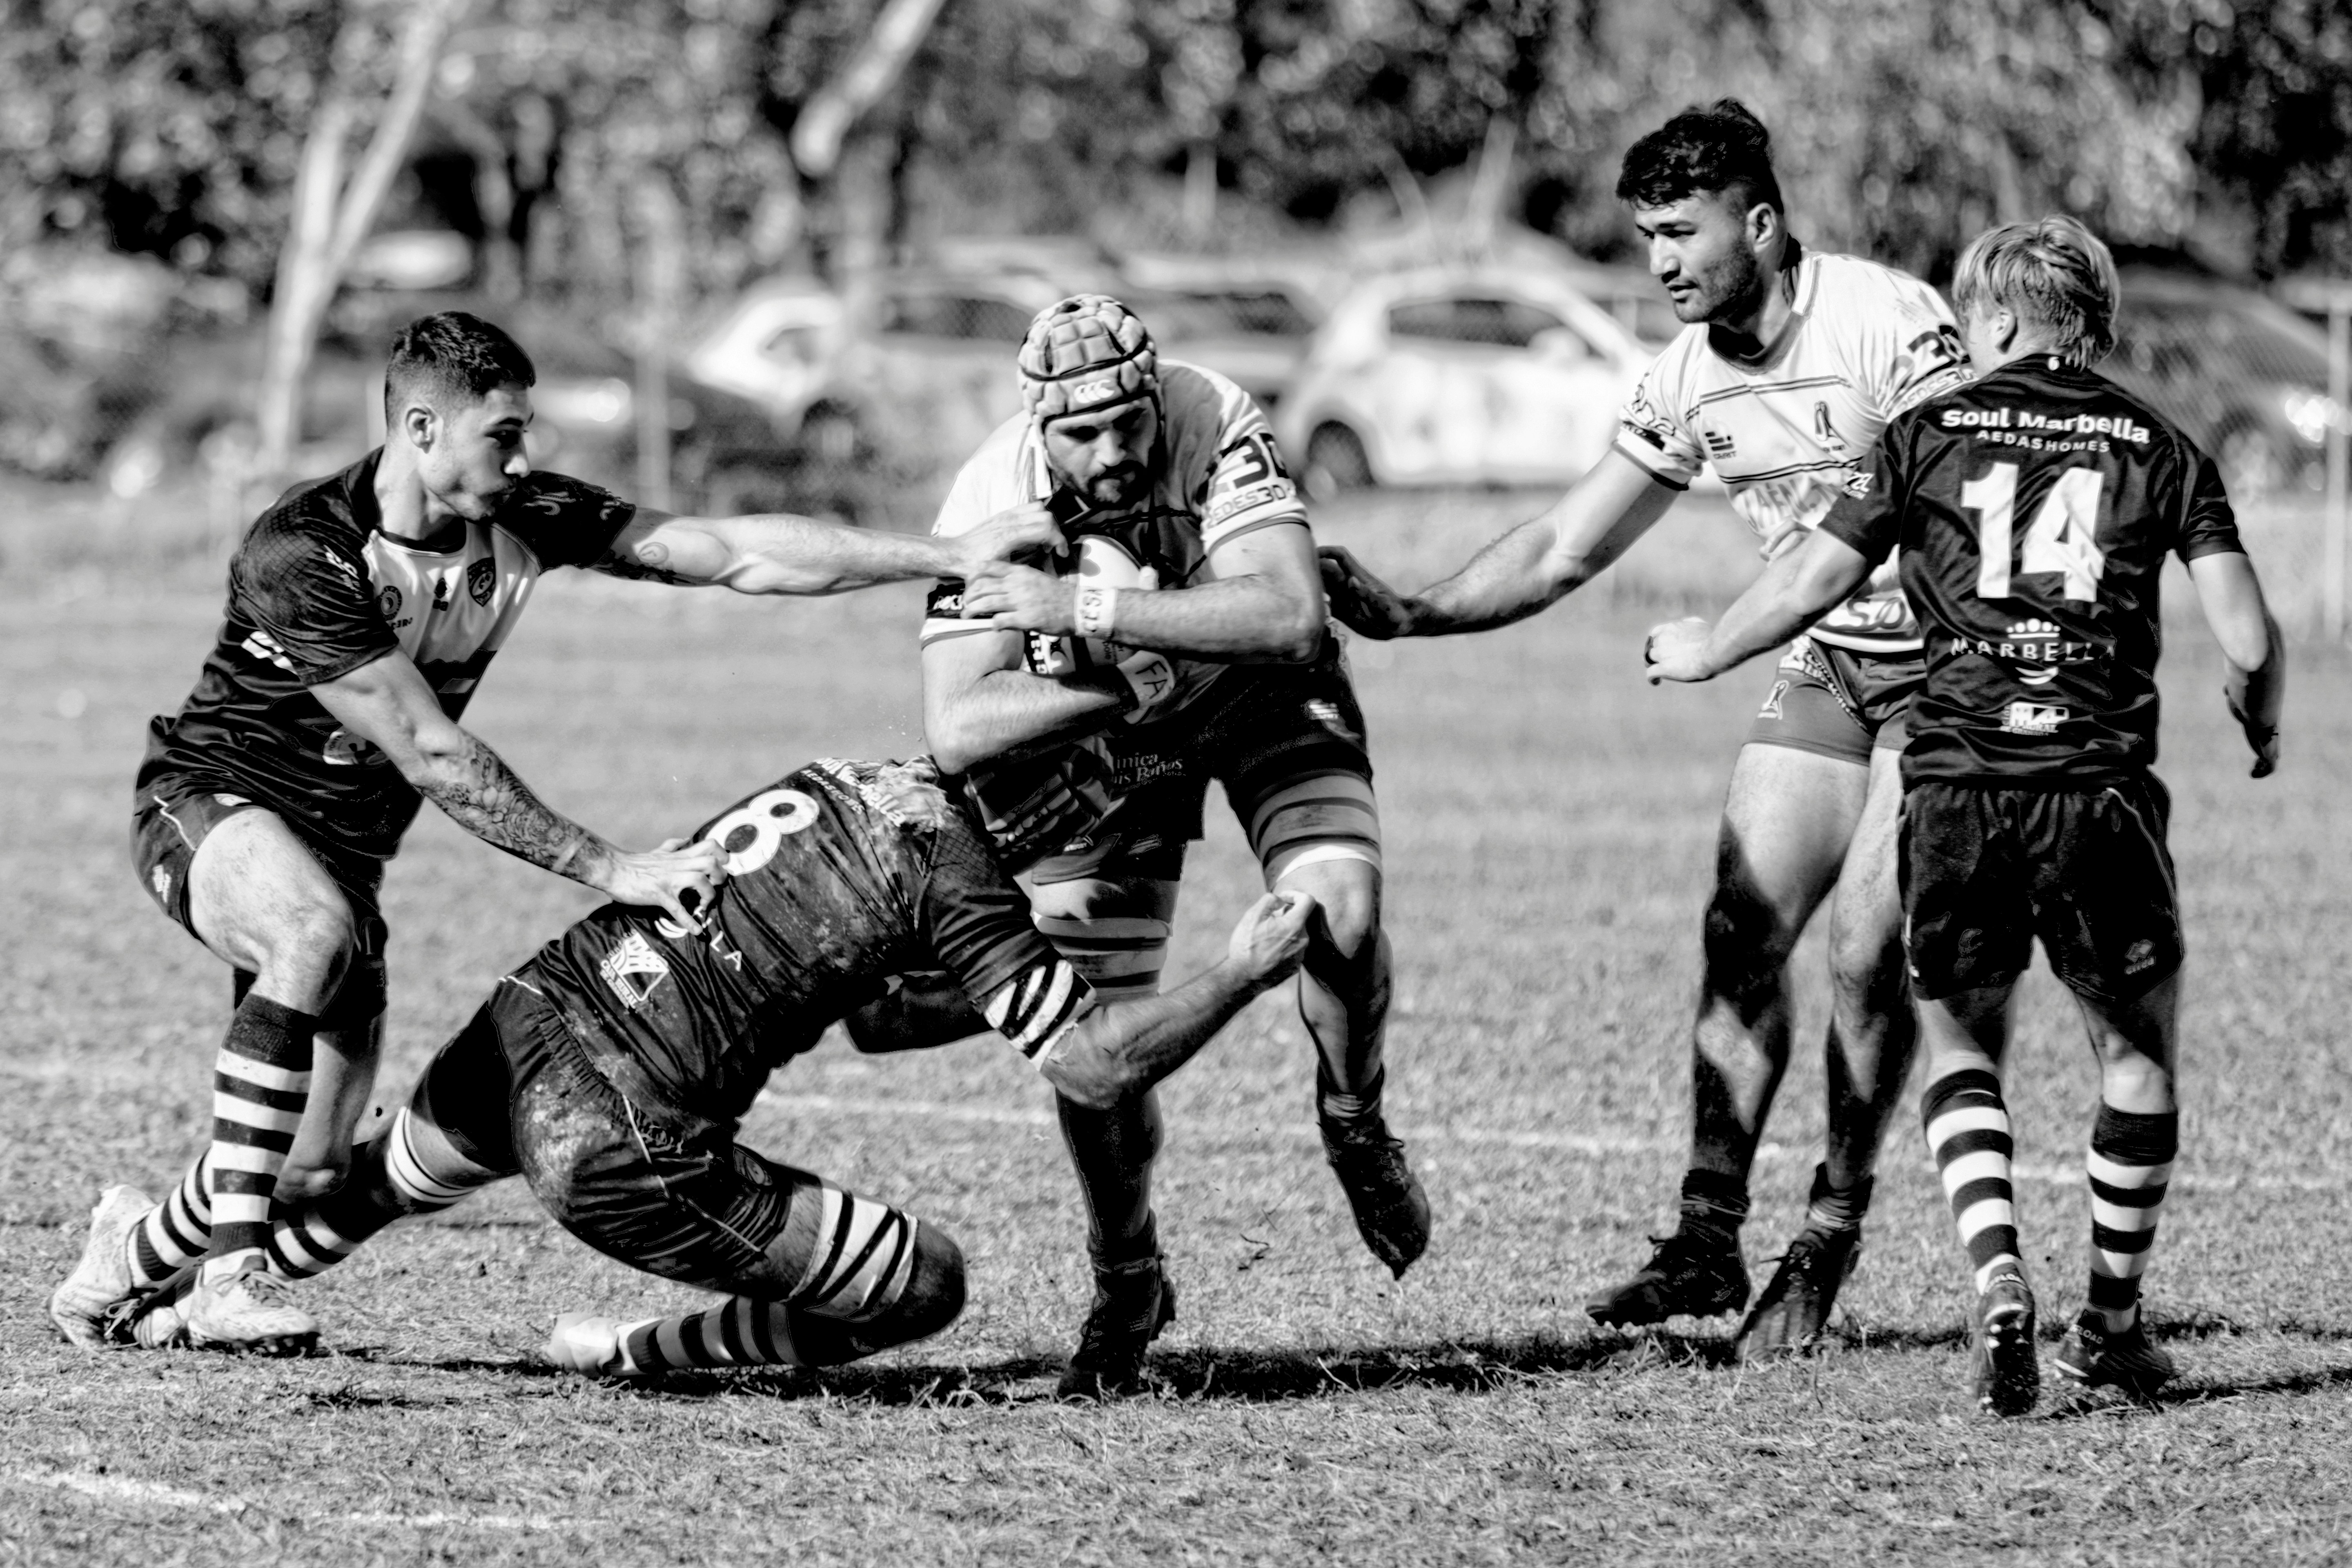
(2056, 275)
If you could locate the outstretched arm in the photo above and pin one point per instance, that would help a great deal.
(1123, 1048)
(1796, 589)
(2255, 687)
(777, 552)
(388, 703)
(1527, 570)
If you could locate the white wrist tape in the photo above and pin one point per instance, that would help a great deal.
(1097, 612)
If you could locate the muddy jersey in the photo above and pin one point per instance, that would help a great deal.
(1219, 478)
(839, 876)
(2033, 510)
(315, 591)
(1788, 433)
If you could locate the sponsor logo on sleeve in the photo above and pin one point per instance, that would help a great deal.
(633, 969)
(1719, 444)
(1859, 484)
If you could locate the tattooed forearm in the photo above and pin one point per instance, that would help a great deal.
(482, 795)
(647, 562)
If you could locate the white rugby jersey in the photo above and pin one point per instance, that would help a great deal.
(1219, 478)
(1787, 436)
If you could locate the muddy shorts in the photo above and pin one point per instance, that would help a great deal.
(170, 815)
(1986, 870)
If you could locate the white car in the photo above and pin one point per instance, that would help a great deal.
(1459, 375)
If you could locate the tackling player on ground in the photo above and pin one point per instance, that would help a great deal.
(2032, 512)
(363, 611)
(1089, 713)
(611, 1073)
(1791, 364)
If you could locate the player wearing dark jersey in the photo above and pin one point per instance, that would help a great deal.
(2033, 510)
(1790, 366)
(612, 1070)
(363, 611)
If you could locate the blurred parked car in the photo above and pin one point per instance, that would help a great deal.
(1249, 321)
(2245, 377)
(912, 396)
(1459, 375)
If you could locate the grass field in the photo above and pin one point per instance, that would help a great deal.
(1548, 819)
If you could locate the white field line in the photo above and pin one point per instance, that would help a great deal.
(123, 1488)
(1587, 1144)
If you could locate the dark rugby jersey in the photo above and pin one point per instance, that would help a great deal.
(2034, 509)
(839, 876)
(315, 591)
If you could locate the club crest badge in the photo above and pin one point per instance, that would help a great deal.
(482, 578)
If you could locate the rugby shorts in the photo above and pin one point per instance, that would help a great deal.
(1287, 743)
(1837, 703)
(171, 815)
(1986, 869)
(654, 1186)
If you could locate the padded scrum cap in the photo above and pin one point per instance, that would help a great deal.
(1088, 352)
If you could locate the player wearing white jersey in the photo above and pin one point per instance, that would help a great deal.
(1087, 712)
(362, 609)
(1788, 367)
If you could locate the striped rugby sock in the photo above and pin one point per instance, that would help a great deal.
(176, 1231)
(261, 1080)
(739, 1331)
(2130, 1166)
(1968, 1131)
(389, 1181)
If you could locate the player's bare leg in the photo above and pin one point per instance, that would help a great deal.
(1871, 1037)
(1114, 930)
(1787, 820)
(1343, 1000)
(343, 1065)
(261, 900)
(2133, 1144)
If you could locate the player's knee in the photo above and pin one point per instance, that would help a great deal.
(934, 1294)
(309, 948)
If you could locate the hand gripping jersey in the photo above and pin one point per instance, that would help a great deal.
(1787, 436)
(1219, 478)
(2033, 510)
(316, 591)
(839, 876)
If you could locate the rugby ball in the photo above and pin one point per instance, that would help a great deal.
(1100, 563)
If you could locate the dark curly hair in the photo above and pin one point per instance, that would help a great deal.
(1722, 147)
(450, 357)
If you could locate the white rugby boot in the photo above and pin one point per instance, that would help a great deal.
(93, 1294)
(249, 1311)
(588, 1344)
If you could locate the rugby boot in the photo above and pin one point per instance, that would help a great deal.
(1691, 1274)
(158, 1320)
(249, 1311)
(93, 1294)
(1391, 1211)
(2007, 1374)
(588, 1344)
(1133, 1301)
(1791, 1313)
(2097, 1356)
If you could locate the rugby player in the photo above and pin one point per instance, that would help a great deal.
(1087, 714)
(612, 1070)
(2032, 512)
(363, 611)
(1790, 365)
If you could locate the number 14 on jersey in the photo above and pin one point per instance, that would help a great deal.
(2063, 538)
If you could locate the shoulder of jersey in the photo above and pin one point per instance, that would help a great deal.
(1851, 282)
(991, 480)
